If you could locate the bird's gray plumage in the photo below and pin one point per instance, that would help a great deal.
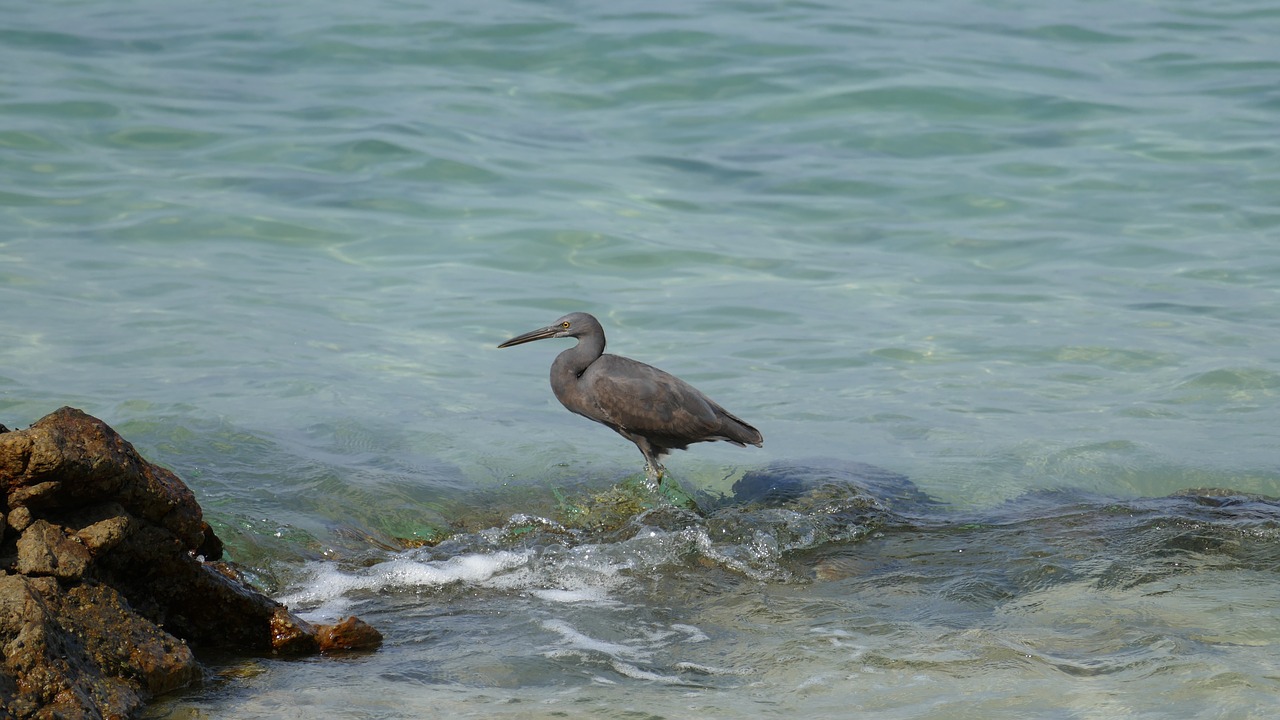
(656, 410)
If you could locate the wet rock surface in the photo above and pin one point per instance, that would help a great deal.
(109, 575)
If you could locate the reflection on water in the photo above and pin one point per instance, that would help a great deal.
(826, 586)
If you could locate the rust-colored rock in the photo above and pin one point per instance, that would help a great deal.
(107, 573)
(347, 635)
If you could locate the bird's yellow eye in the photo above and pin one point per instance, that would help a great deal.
(565, 325)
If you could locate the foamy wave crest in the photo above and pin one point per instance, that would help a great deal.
(326, 591)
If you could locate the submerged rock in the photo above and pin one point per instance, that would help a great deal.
(109, 571)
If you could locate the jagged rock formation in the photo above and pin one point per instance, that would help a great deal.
(109, 575)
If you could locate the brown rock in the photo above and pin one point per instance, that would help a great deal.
(45, 549)
(109, 549)
(291, 635)
(211, 548)
(60, 648)
(347, 635)
(19, 518)
(35, 494)
(102, 536)
(70, 459)
(193, 599)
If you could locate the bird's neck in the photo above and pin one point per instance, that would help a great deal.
(575, 361)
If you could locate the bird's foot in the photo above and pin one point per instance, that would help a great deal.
(654, 475)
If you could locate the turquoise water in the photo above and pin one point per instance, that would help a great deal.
(996, 247)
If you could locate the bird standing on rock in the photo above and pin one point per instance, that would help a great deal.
(657, 411)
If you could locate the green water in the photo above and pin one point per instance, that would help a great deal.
(995, 247)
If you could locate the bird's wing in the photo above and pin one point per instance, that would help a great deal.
(644, 400)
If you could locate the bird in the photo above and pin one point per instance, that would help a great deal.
(654, 409)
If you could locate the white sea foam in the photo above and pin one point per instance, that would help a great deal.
(583, 575)
(328, 587)
(577, 640)
(597, 595)
(634, 672)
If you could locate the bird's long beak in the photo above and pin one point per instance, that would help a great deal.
(539, 334)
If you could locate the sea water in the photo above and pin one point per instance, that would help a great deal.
(1023, 256)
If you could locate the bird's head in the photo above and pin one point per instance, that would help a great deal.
(574, 325)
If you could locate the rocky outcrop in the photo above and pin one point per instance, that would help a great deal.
(110, 576)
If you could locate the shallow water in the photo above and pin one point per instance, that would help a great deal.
(1025, 256)
(1056, 605)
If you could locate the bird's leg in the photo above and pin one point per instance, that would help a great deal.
(653, 470)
